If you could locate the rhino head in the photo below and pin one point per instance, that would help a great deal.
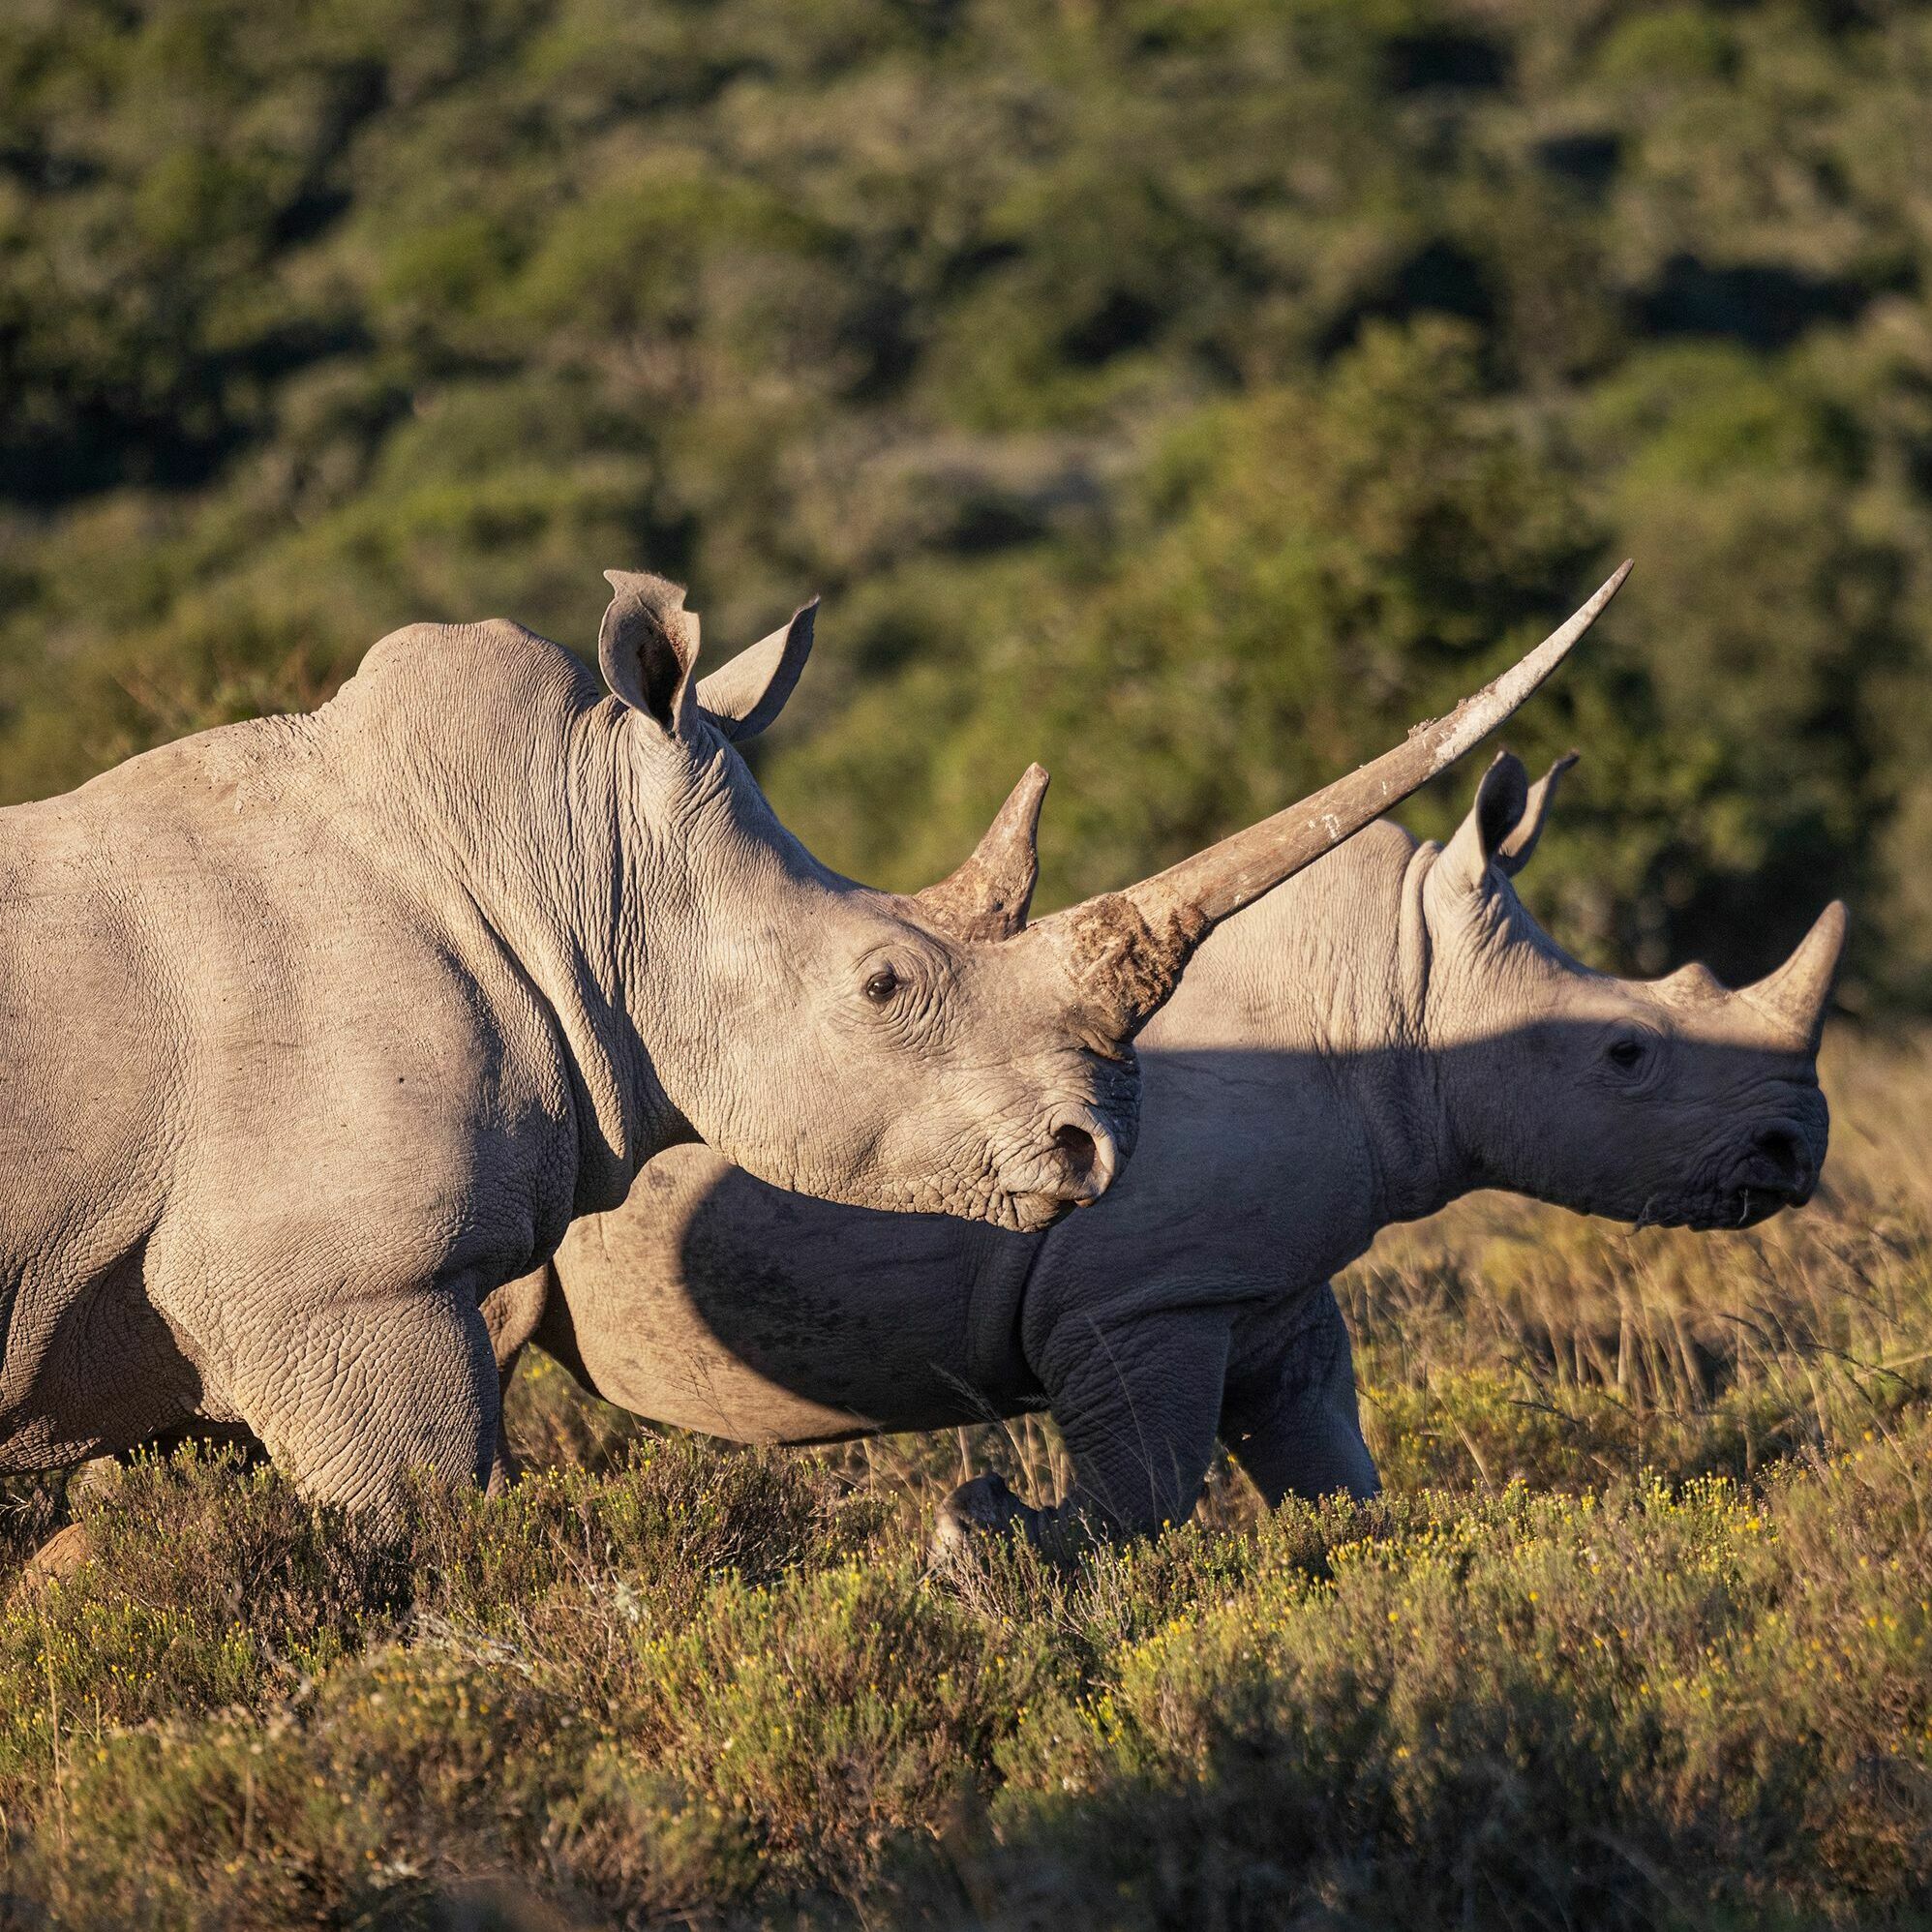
(1674, 1101)
(937, 1051)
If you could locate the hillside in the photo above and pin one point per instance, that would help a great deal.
(1189, 398)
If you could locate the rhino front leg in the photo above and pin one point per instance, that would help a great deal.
(1138, 1403)
(359, 1396)
(1291, 1419)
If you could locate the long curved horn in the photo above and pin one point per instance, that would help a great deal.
(1793, 998)
(987, 897)
(1129, 948)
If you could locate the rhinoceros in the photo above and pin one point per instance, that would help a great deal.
(1384, 1034)
(315, 1030)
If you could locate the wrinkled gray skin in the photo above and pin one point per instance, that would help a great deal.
(315, 1030)
(1385, 1033)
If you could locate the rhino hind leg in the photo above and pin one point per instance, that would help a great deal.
(986, 1510)
(364, 1397)
(57, 1559)
(69, 1546)
(983, 1508)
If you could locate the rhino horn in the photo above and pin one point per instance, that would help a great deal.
(751, 690)
(1695, 984)
(987, 897)
(1793, 998)
(1128, 948)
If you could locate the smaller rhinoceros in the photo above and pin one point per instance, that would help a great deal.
(1388, 1031)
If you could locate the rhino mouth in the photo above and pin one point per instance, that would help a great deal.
(1034, 1214)
(1778, 1170)
(1739, 1207)
(1750, 1205)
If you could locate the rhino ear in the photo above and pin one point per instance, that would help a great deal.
(1515, 852)
(1501, 801)
(647, 646)
(751, 690)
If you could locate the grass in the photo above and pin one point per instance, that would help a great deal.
(1641, 1636)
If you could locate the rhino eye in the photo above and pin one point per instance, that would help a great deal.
(882, 986)
(1626, 1053)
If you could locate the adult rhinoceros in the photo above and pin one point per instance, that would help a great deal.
(1382, 1035)
(315, 1030)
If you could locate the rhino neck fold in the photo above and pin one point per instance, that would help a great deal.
(1319, 987)
(1421, 1163)
(545, 871)
(598, 978)
(1466, 1004)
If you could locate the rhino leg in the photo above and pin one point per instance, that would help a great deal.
(1291, 1417)
(1137, 1403)
(359, 1397)
(69, 1546)
(57, 1559)
(512, 1313)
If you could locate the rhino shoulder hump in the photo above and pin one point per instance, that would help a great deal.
(426, 672)
(432, 652)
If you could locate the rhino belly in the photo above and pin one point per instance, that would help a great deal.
(805, 1373)
(711, 1302)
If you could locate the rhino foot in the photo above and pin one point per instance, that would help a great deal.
(986, 1507)
(55, 1560)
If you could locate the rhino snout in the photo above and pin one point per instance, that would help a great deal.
(1781, 1163)
(1073, 1168)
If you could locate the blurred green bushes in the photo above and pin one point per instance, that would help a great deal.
(1189, 397)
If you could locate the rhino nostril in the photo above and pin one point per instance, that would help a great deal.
(1077, 1145)
(1087, 1158)
(1778, 1148)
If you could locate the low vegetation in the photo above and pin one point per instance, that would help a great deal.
(1641, 1635)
